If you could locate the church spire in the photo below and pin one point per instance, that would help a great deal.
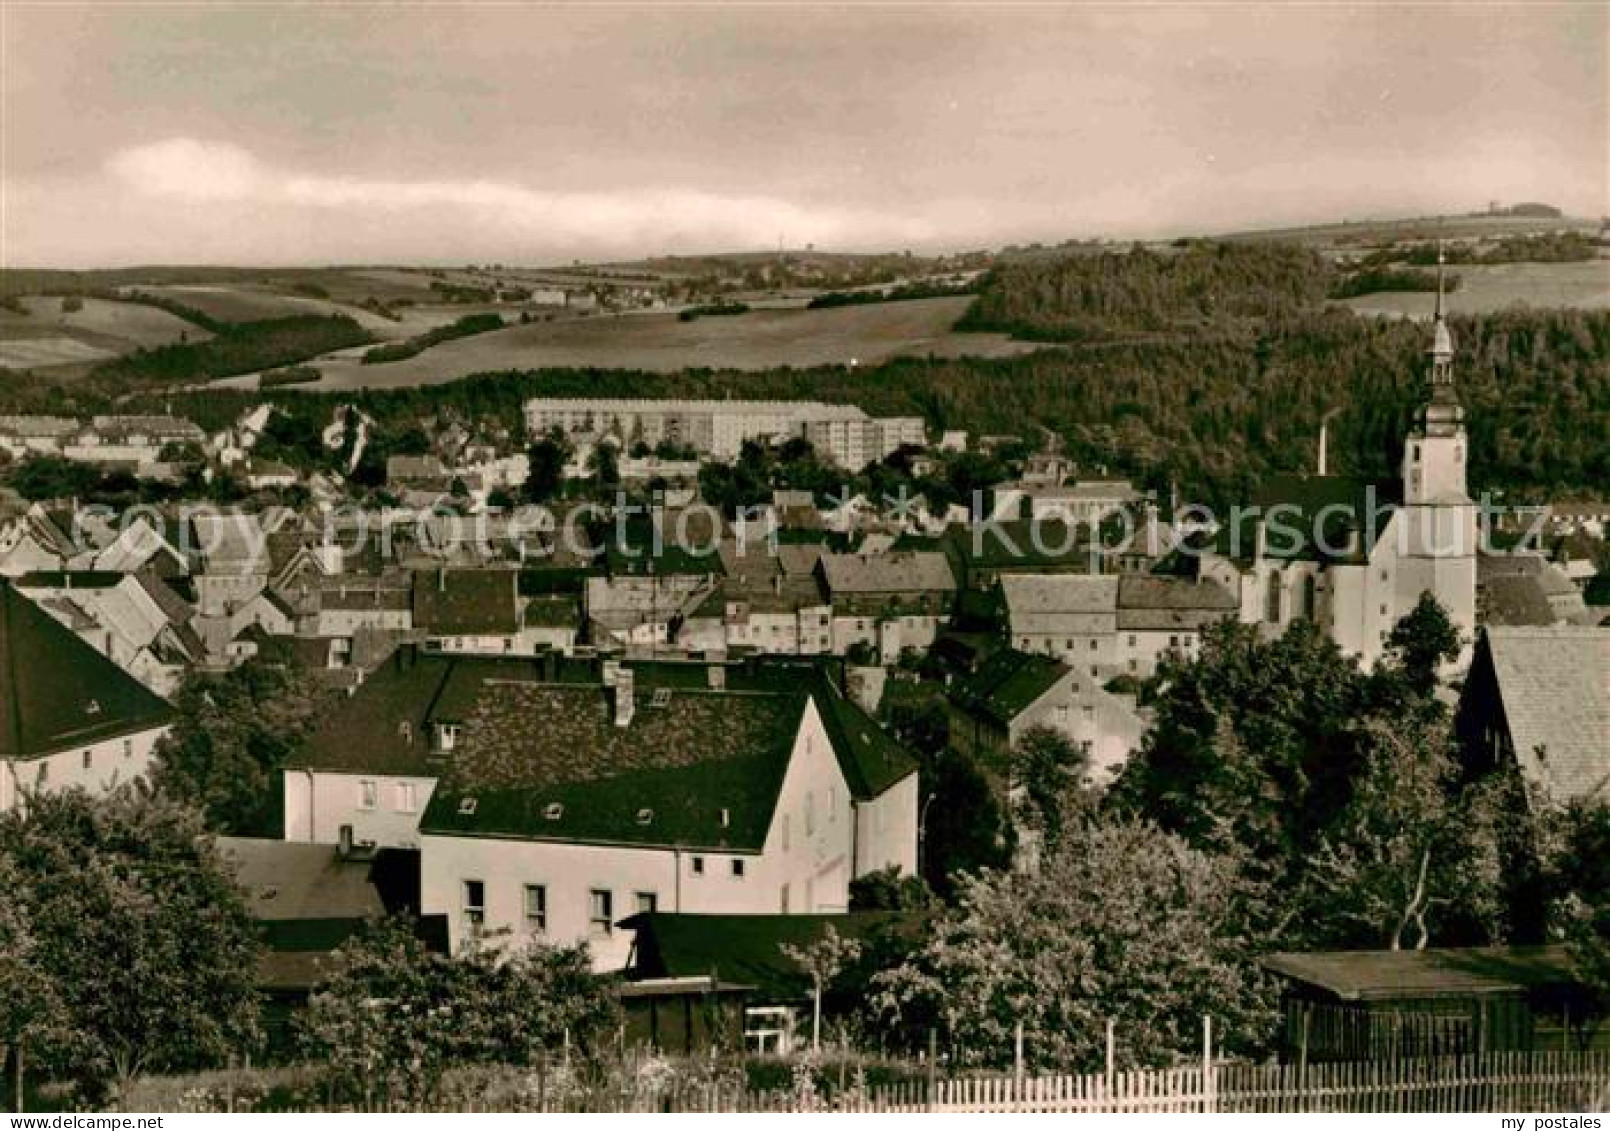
(1441, 350)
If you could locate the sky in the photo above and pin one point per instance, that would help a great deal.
(137, 133)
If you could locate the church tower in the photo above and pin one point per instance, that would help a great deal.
(1434, 457)
(1437, 537)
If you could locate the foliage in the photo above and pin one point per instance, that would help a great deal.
(545, 471)
(713, 308)
(238, 347)
(1120, 922)
(1374, 280)
(1422, 642)
(888, 889)
(468, 326)
(40, 477)
(1088, 296)
(904, 292)
(292, 375)
(391, 1017)
(229, 740)
(138, 927)
(1050, 790)
(1334, 787)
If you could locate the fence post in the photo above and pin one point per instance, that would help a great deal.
(1017, 1058)
(933, 1056)
(1210, 1083)
(1112, 1045)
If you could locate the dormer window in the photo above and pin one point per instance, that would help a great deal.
(93, 707)
(466, 807)
(447, 735)
(555, 810)
(645, 816)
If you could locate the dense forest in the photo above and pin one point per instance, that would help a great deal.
(1200, 286)
(238, 347)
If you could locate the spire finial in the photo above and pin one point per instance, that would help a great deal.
(1442, 258)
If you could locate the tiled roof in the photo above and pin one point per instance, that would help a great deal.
(1060, 603)
(1008, 683)
(1555, 687)
(466, 602)
(56, 692)
(1150, 602)
(383, 727)
(287, 880)
(1514, 599)
(899, 572)
(546, 761)
(1313, 518)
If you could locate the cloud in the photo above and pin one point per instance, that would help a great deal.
(198, 172)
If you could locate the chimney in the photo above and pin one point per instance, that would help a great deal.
(625, 701)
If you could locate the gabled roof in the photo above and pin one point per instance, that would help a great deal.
(56, 692)
(284, 880)
(1555, 687)
(1008, 683)
(384, 726)
(702, 769)
(1313, 518)
(1154, 602)
(897, 572)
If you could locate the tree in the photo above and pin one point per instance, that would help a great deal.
(1050, 791)
(139, 927)
(545, 472)
(32, 1018)
(604, 462)
(822, 961)
(230, 737)
(1120, 922)
(40, 477)
(1422, 642)
(888, 889)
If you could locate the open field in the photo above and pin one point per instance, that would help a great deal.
(47, 336)
(1487, 288)
(661, 343)
(248, 304)
(1356, 233)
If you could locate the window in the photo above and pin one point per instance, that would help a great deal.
(43, 774)
(1092, 645)
(832, 804)
(536, 908)
(89, 759)
(447, 735)
(1272, 603)
(648, 902)
(782, 899)
(810, 814)
(368, 795)
(737, 869)
(474, 906)
(601, 912)
(406, 802)
(698, 865)
(128, 748)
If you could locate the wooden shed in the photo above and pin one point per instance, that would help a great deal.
(1387, 1004)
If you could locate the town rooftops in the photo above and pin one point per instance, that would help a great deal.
(1313, 518)
(1371, 975)
(898, 572)
(1554, 684)
(1055, 604)
(56, 692)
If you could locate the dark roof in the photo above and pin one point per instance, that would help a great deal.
(1313, 509)
(285, 880)
(57, 692)
(1366, 975)
(742, 948)
(1147, 602)
(1008, 683)
(549, 762)
(870, 760)
(466, 602)
(382, 728)
(1514, 599)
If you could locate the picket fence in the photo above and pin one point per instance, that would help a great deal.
(1493, 1082)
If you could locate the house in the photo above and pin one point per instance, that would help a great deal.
(68, 715)
(566, 805)
(469, 610)
(134, 619)
(1526, 589)
(549, 794)
(1159, 615)
(1073, 617)
(1362, 1005)
(144, 542)
(890, 602)
(1540, 697)
(765, 602)
(1076, 504)
(234, 563)
(1013, 692)
(736, 968)
(40, 539)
